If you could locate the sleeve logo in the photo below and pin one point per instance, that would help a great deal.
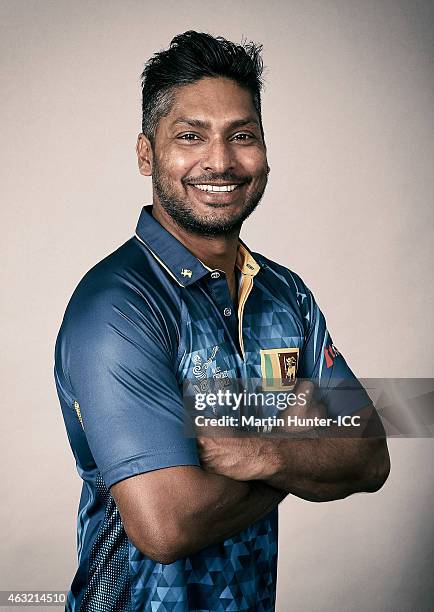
(78, 412)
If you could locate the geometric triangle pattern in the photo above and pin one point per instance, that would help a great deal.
(236, 575)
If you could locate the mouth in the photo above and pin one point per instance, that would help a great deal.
(216, 193)
(216, 187)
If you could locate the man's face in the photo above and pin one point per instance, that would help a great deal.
(209, 164)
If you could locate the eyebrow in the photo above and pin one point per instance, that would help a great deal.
(206, 124)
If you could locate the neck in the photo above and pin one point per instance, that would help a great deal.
(214, 251)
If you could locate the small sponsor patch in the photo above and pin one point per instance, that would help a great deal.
(330, 352)
(279, 368)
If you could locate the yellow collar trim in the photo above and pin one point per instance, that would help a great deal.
(245, 262)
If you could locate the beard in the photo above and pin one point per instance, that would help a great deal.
(183, 212)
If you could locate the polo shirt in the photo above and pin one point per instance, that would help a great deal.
(142, 321)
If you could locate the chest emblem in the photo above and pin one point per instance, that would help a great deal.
(208, 374)
(200, 366)
(279, 368)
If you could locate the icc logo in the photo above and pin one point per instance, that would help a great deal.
(186, 272)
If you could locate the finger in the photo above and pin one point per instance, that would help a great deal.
(205, 440)
(304, 391)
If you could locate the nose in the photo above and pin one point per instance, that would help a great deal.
(218, 157)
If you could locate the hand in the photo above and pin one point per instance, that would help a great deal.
(239, 458)
(255, 458)
(306, 408)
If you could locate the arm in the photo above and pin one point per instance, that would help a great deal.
(326, 468)
(342, 460)
(175, 512)
(329, 466)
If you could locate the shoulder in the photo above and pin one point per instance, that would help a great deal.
(124, 291)
(278, 273)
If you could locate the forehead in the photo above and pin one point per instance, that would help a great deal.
(212, 99)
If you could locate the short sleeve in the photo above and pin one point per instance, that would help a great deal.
(119, 363)
(323, 363)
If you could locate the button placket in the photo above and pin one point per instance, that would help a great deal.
(218, 288)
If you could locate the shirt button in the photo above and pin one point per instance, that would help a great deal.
(227, 312)
(215, 275)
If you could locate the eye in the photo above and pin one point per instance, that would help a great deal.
(243, 136)
(189, 136)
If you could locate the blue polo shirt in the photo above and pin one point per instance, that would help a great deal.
(141, 322)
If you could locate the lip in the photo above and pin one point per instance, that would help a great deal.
(217, 197)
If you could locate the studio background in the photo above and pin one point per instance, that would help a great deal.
(348, 117)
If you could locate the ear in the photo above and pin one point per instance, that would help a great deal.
(144, 155)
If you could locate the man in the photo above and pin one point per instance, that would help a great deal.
(165, 522)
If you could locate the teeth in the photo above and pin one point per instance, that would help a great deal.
(216, 187)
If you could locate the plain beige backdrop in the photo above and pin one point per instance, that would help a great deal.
(348, 115)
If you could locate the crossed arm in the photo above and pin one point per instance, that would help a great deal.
(174, 512)
(331, 465)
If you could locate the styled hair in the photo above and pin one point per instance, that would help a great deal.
(190, 57)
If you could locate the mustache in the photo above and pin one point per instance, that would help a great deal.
(215, 178)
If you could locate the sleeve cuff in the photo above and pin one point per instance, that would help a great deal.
(180, 455)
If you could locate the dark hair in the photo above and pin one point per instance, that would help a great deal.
(190, 57)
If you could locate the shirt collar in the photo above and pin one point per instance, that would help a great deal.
(178, 261)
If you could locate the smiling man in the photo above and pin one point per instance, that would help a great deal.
(167, 522)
